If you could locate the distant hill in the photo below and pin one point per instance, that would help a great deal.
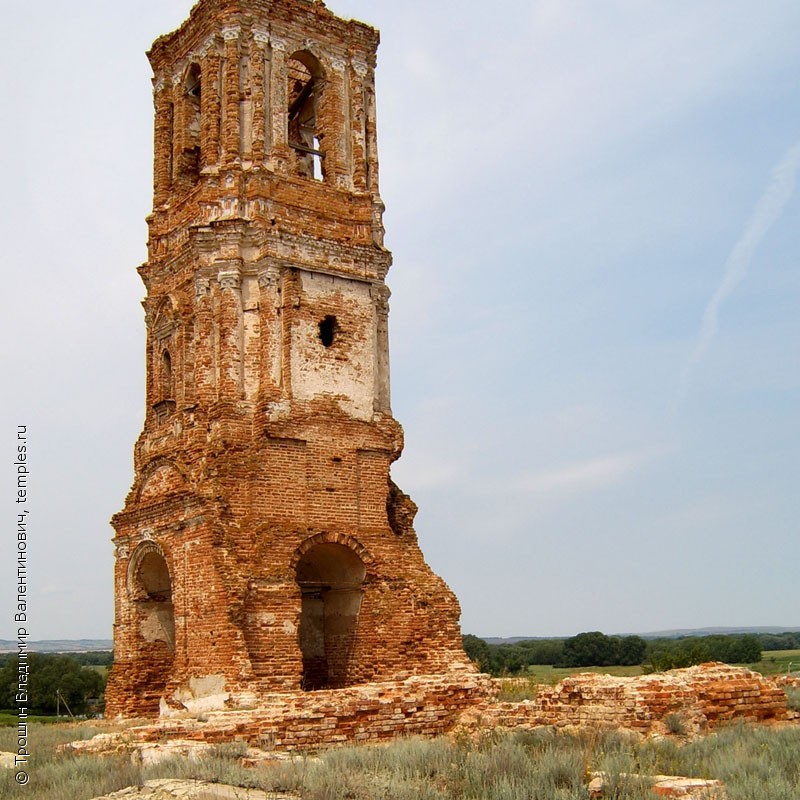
(670, 634)
(60, 646)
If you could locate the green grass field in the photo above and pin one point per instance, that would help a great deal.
(777, 662)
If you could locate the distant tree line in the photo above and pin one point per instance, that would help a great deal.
(595, 649)
(779, 641)
(51, 675)
(98, 658)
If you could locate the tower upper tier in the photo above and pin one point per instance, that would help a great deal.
(265, 113)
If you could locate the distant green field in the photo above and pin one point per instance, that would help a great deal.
(543, 673)
(776, 662)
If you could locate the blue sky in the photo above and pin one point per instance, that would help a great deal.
(572, 188)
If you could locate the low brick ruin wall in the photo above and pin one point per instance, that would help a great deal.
(704, 696)
(425, 706)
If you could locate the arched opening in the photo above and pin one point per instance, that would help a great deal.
(330, 577)
(190, 161)
(304, 94)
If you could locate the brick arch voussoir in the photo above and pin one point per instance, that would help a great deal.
(156, 464)
(326, 537)
(137, 556)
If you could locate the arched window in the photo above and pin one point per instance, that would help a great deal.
(304, 94)
(190, 162)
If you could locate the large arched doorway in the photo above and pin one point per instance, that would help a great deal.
(330, 577)
(153, 615)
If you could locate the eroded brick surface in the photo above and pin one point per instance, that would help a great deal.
(263, 547)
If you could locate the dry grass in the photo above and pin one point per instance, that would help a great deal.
(755, 763)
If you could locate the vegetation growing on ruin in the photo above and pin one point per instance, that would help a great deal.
(754, 763)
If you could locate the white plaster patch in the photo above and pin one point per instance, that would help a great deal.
(203, 694)
(344, 370)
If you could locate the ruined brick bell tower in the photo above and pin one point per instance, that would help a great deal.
(263, 547)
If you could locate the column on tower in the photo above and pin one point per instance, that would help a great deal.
(231, 92)
(204, 350)
(210, 103)
(358, 125)
(380, 295)
(370, 127)
(278, 110)
(259, 88)
(333, 124)
(269, 280)
(164, 134)
(229, 319)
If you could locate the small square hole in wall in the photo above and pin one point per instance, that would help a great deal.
(327, 330)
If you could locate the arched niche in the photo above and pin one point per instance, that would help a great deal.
(164, 369)
(149, 586)
(330, 577)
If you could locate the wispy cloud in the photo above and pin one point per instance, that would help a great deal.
(594, 473)
(769, 208)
